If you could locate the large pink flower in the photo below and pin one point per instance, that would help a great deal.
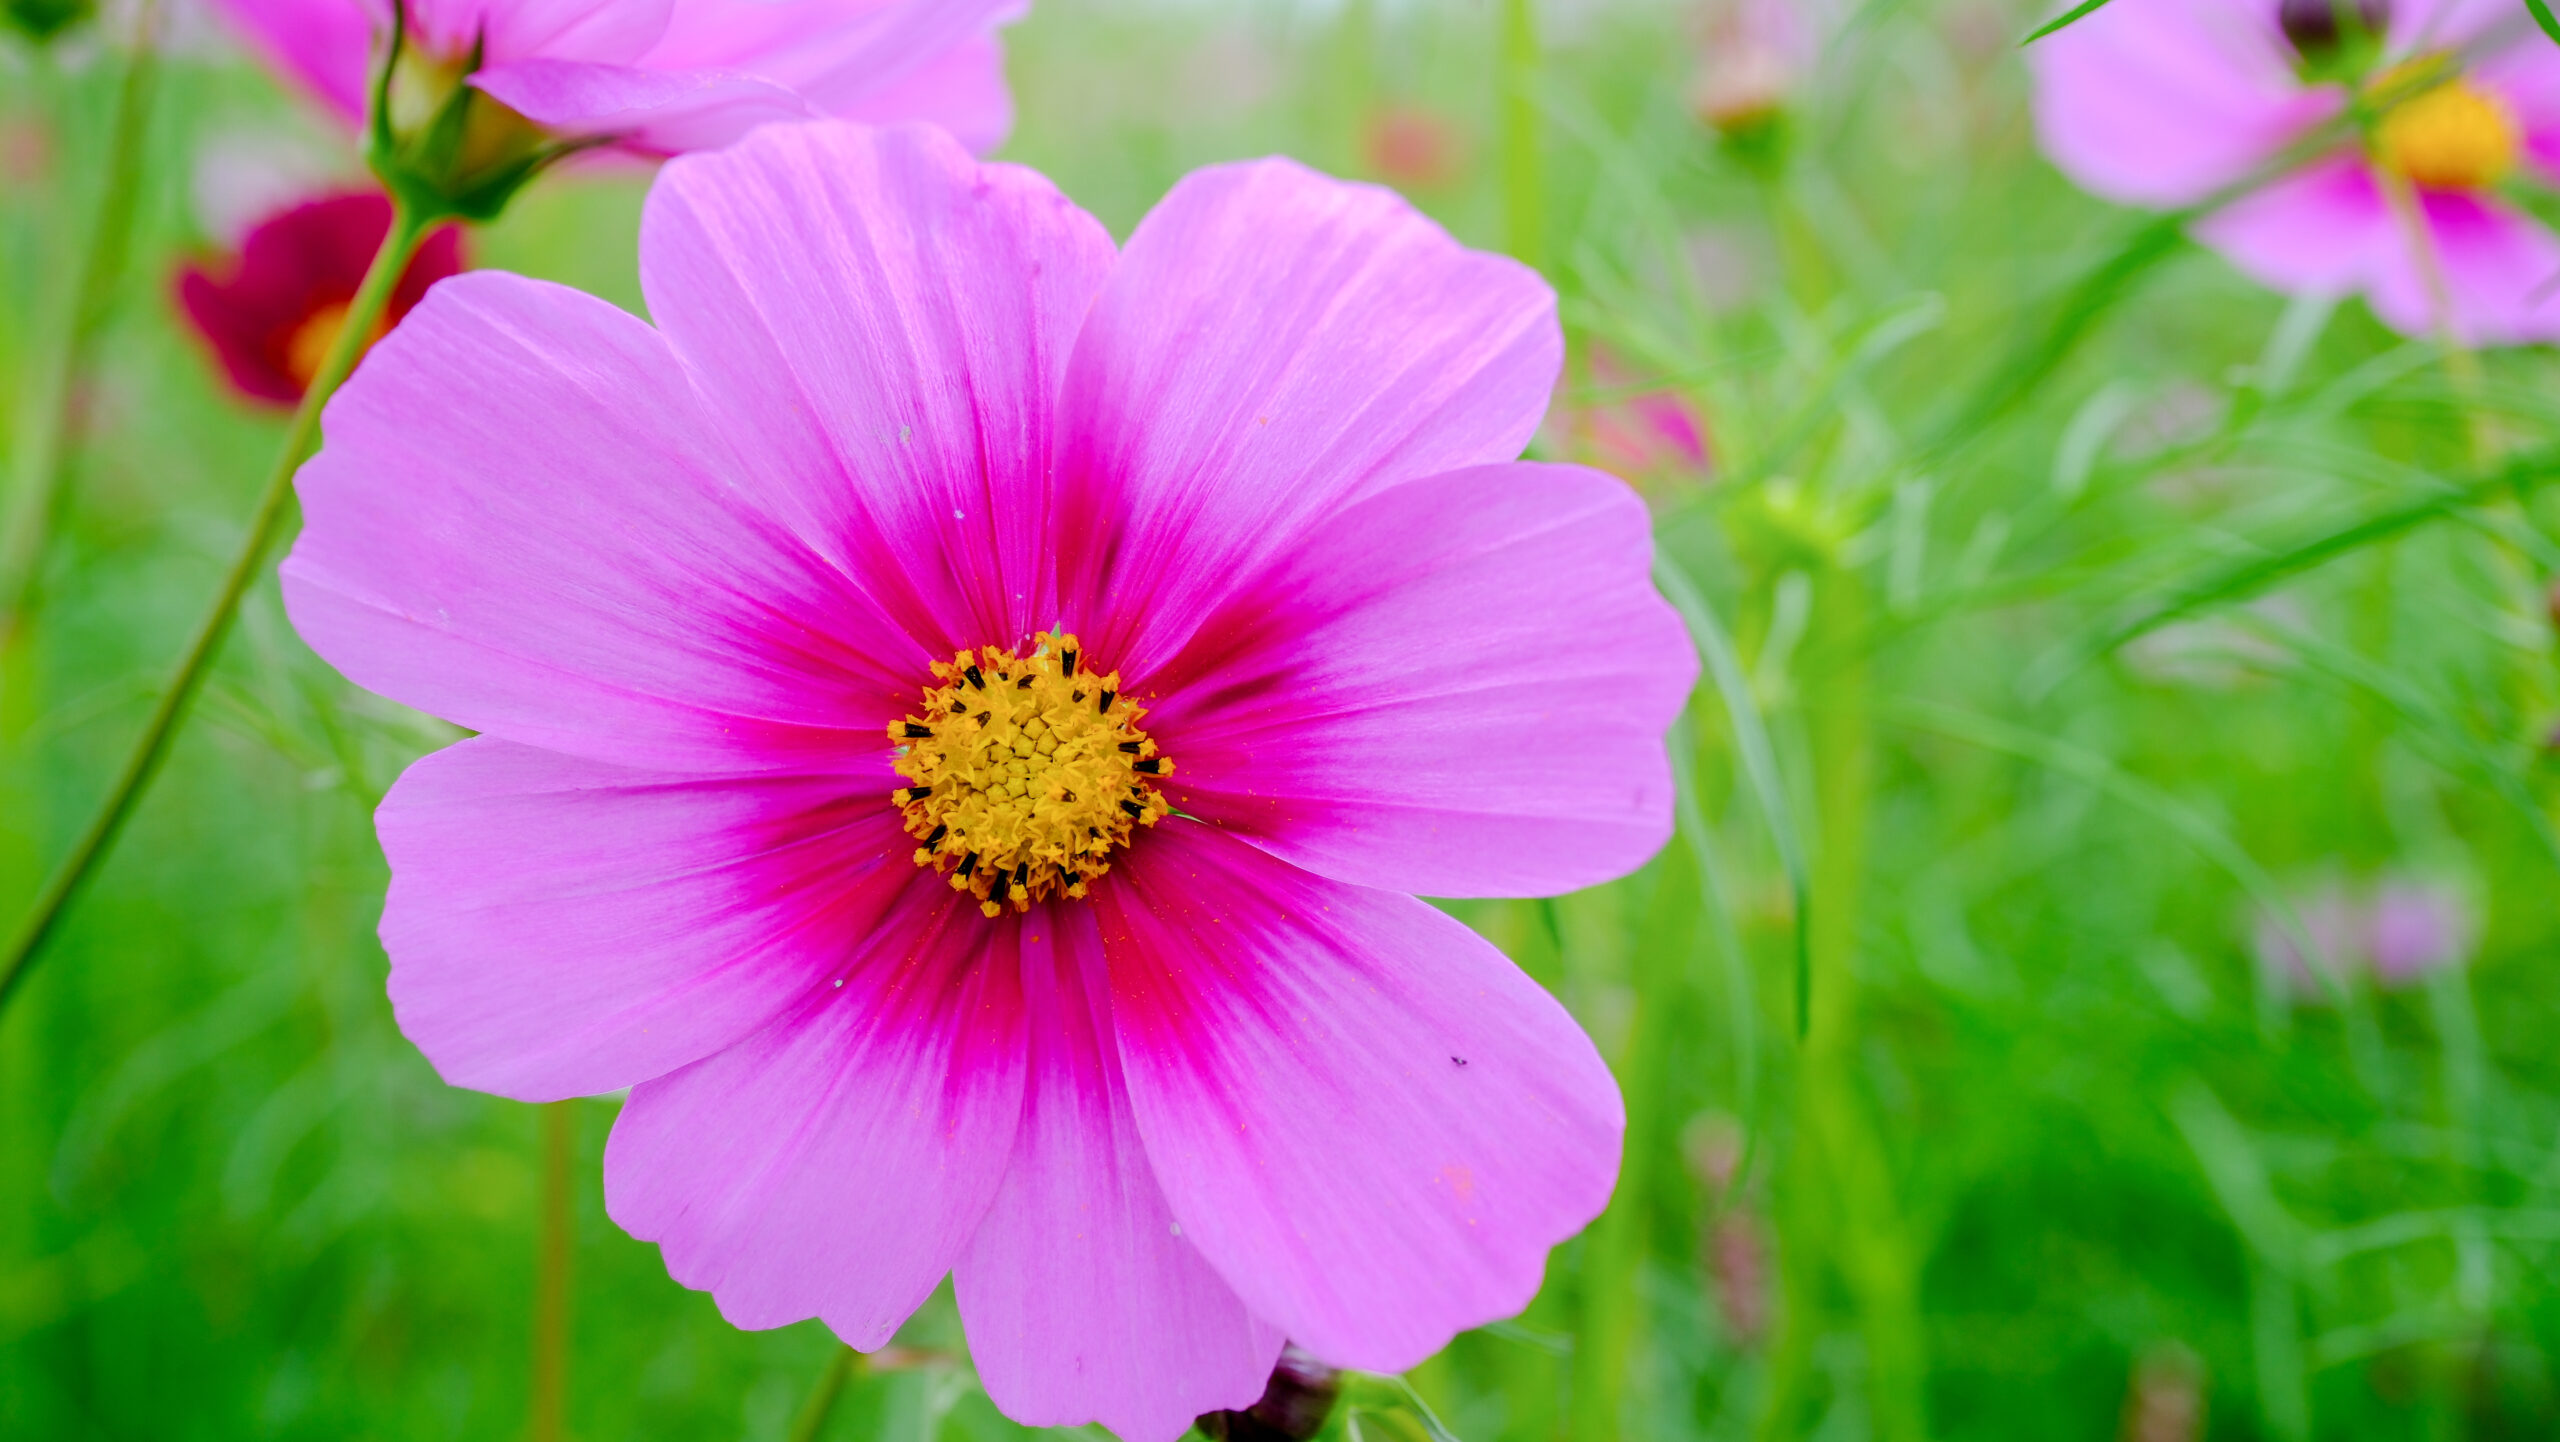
(2170, 102)
(916, 563)
(666, 76)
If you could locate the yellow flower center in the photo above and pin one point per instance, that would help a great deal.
(308, 346)
(1026, 772)
(2449, 136)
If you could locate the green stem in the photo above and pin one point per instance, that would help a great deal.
(549, 1407)
(842, 1368)
(37, 477)
(1842, 1215)
(1524, 199)
(371, 298)
(1613, 1255)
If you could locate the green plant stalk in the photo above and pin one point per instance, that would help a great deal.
(38, 465)
(1524, 199)
(842, 1368)
(408, 227)
(548, 1406)
(1838, 1176)
(1613, 1254)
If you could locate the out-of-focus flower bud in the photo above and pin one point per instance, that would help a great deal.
(1734, 1246)
(2417, 928)
(1412, 148)
(1648, 434)
(1293, 1408)
(2335, 925)
(2318, 27)
(1753, 59)
(2165, 1400)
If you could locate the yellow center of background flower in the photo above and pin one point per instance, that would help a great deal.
(2449, 136)
(308, 346)
(1025, 772)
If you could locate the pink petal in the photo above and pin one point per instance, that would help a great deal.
(2321, 230)
(662, 112)
(881, 61)
(1082, 1299)
(889, 319)
(2500, 270)
(326, 45)
(1273, 345)
(837, 1162)
(561, 927)
(1370, 1122)
(2526, 76)
(1459, 687)
(2164, 102)
(612, 32)
(963, 91)
(2477, 27)
(523, 521)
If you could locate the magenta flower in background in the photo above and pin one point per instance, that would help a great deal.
(271, 313)
(666, 76)
(2170, 102)
(963, 711)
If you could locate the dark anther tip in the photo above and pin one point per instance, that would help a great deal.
(915, 730)
(918, 793)
(1130, 746)
(935, 839)
(1151, 766)
(976, 679)
(967, 864)
(1133, 808)
(1067, 662)
(1107, 698)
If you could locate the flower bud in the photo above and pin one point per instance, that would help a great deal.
(1293, 1408)
(2318, 27)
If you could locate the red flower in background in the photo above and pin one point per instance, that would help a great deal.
(271, 315)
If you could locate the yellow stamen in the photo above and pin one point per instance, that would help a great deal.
(308, 346)
(2448, 136)
(1026, 772)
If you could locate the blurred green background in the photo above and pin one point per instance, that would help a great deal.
(2094, 638)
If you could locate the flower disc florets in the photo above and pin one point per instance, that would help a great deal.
(1026, 772)
(2446, 134)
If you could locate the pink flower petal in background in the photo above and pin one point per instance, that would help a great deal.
(1084, 1300)
(325, 46)
(1274, 344)
(1380, 707)
(836, 1163)
(591, 927)
(2499, 269)
(1371, 1123)
(665, 76)
(2325, 229)
(2164, 102)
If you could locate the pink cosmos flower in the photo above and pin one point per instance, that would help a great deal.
(962, 712)
(2169, 102)
(271, 314)
(667, 76)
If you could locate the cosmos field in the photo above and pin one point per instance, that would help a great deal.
(2103, 980)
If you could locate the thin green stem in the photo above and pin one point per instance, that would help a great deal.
(39, 468)
(842, 1368)
(549, 1406)
(371, 298)
(1524, 201)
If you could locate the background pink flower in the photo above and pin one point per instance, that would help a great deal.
(2169, 102)
(688, 579)
(271, 312)
(666, 76)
